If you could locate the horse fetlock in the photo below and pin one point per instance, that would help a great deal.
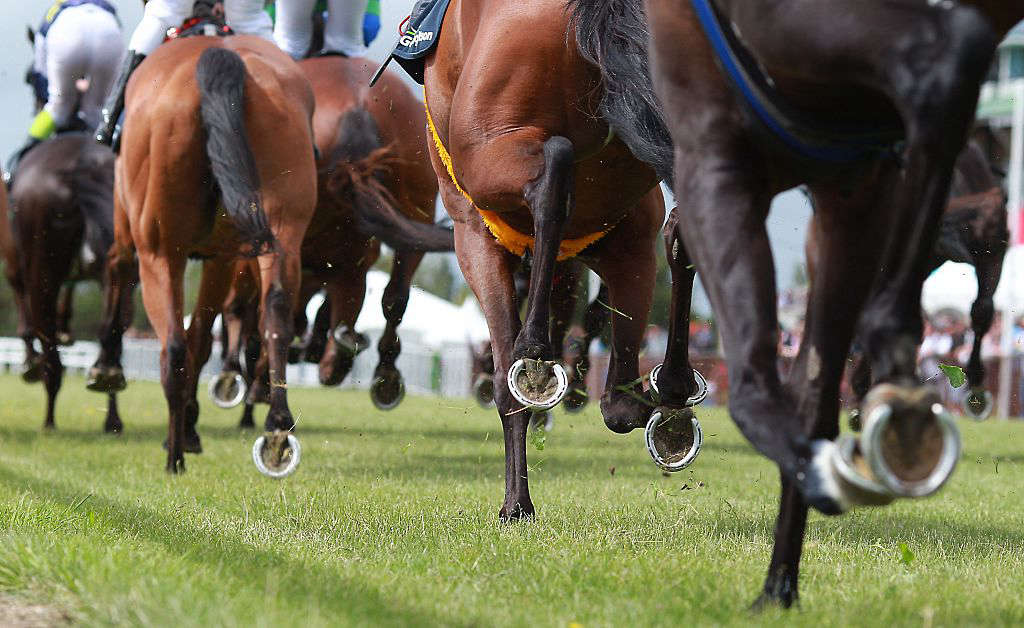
(577, 398)
(699, 388)
(537, 384)
(106, 379)
(673, 437)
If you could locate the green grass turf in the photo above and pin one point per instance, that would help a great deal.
(391, 520)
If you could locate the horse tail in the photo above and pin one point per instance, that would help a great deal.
(357, 171)
(612, 35)
(92, 183)
(220, 75)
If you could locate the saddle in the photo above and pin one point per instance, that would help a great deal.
(798, 133)
(417, 38)
(207, 26)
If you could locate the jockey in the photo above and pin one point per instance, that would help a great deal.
(245, 17)
(78, 40)
(351, 26)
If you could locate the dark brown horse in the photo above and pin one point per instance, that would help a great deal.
(871, 114)
(527, 164)
(375, 184)
(216, 163)
(62, 201)
(973, 231)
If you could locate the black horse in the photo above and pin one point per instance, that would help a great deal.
(62, 228)
(867, 103)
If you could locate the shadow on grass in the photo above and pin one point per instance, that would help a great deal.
(236, 562)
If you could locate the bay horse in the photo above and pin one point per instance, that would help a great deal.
(375, 184)
(527, 165)
(62, 227)
(217, 163)
(871, 117)
(973, 231)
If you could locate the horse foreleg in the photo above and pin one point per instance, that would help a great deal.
(388, 389)
(488, 271)
(65, 307)
(346, 295)
(675, 380)
(844, 273)
(989, 268)
(564, 296)
(626, 263)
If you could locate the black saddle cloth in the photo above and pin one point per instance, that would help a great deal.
(420, 37)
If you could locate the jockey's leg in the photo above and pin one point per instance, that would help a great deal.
(157, 17)
(293, 29)
(247, 17)
(344, 29)
(107, 50)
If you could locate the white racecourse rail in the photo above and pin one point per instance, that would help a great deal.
(445, 372)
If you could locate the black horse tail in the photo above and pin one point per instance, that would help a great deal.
(220, 75)
(92, 183)
(612, 34)
(357, 170)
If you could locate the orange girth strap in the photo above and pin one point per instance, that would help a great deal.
(514, 241)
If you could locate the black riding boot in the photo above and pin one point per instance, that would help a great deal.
(115, 100)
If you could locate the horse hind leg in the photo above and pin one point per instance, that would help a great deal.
(535, 379)
(388, 388)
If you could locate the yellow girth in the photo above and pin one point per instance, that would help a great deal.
(514, 241)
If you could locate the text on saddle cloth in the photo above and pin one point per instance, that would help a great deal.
(417, 38)
(513, 241)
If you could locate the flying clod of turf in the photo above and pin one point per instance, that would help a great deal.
(392, 520)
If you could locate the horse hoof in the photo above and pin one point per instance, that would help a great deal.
(978, 404)
(910, 441)
(33, 371)
(542, 421)
(276, 454)
(108, 379)
(854, 420)
(698, 379)
(388, 390)
(65, 339)
(839, 478)
(228, 389)
(350, 341)
(673, 438)
(537, 384)
(575, 400)
(483, 390)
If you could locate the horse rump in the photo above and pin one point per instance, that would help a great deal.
(220, 75)
(358, 169)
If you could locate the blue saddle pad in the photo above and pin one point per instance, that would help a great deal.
(418, 39)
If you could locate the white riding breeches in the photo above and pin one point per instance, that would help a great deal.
(245, 17)
(83, 42)
(343, 32)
